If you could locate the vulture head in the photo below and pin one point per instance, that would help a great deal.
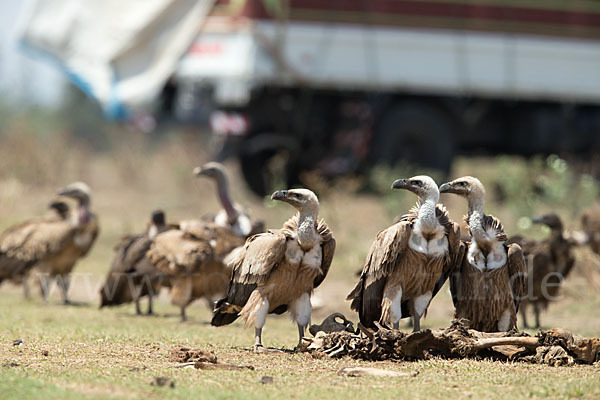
(422, 185)
(60, 207)
(157, 223)
(213, 170)
(467, 186)
(78, 191)
(158, 217)
(552, 221)
(300, 199)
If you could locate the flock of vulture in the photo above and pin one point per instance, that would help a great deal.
(244, 271)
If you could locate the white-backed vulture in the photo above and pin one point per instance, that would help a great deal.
(231, 215)
(16, 264)
(277, 271)
(408, 262)
(59, 250)
(194, 261)
(549, 262)
(131, 274)
(491, 280)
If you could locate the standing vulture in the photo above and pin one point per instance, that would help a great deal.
(131, 274)
(277, 271)
(231, 215)
(193, 261)
(409, 262)
(71, 240)
(549, 262)
(491, 280)
(15, 264)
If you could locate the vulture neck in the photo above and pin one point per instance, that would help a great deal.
(475, 214)
(426, 214)
(556, 235)
(308, 236)
(225, 199)
(154, 230)
(83, 212)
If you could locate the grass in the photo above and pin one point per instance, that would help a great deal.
(111, 353)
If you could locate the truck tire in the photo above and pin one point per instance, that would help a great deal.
(257, 177)
(415, 133)
(256, 156)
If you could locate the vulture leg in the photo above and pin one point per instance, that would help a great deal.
(536, 309)
(183, 316)
(257, 339)
(524, 316)
(26, 291)
(417, 323)
(300, 335)
(150, 312)
(138, 310)
(419, 306)
(260, 317)
(396, 325)
(300, 311)
(44, 281)
(137, 295)
(64, 282)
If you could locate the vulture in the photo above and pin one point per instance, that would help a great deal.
(131, 274)
(491, 280)
(549, 262)
(231, 215)
(193, 260)
(70, 240)
(408, 262)
(15, 266)
(278, 270)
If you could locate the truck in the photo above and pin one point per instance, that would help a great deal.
(294, 86)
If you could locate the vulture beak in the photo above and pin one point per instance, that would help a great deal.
(538, 220)
(279, 195)
(449, 187)
(67, 192)
(446, 188)
(401, 184)
(199, 171)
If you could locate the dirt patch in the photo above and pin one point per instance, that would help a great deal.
(185, 355)
(201, 359)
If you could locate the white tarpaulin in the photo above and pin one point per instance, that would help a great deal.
(119, 52)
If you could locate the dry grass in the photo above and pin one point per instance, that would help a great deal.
(112, 354)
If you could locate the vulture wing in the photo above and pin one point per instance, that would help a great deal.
(517, 269)
(328, 246)
(95, 230)
(455, 252)
(456, 275)
(129, 251)
(176, 252)
(35, 241)
(222, 239)
(252, 265)
(367, 295)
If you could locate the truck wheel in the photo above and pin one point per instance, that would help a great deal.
(415, 133)
(255, 171)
